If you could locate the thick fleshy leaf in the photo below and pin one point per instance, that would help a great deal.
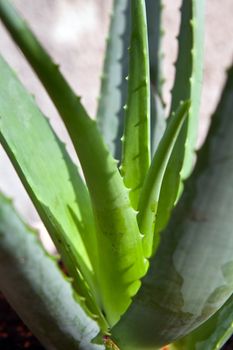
(46, 171)
(189, 72)
(151, 190)
(119, 240)
(155, 34)
(187, 85)
(158, 120)
(212, 334)
(136, 138)
(35, 287)
(113, 93)
(191, 275)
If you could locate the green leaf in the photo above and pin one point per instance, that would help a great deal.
(155, 33)
(158, 121)
(31, 145)
(191, 275)
(119, 240)
(36, 288)
(136, 138)
(113, 93)
(212, 334)
(151, 190)
(189, 72)
(187, 85)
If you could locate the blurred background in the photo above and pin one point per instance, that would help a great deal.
(74, 32)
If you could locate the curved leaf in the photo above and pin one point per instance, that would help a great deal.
(212, 334)
(36, 288)
(191, 275)
(31, 145)
(113, 93)
(136, 138)
(119, 240)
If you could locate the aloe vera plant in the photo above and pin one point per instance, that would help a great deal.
(141, 275)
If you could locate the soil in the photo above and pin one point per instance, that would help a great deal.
(229, 345)
(14, 335)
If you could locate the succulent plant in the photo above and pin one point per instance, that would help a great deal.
(147, 241)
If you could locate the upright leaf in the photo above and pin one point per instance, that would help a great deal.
(158, 120)
(197, 25)
(113, 93)
(189, 72)
(212, 334)
(36, 288)
(114, 85)
(187, 85)
(191, 275)
(155, 34)
(151, 190)
(119, 240)
(136, 139)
